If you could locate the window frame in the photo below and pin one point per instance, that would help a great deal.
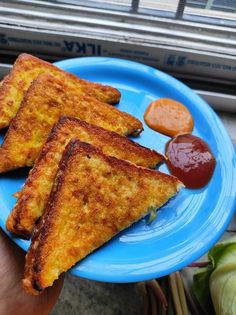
(161, 34)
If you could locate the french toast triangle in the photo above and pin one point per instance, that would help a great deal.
(94, 197)
(46, 100)
(26, 69)
(32, 198)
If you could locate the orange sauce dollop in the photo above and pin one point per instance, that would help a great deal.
(191, 160)
(168, 117)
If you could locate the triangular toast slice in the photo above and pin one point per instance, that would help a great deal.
(46, 100)
(93, 198)
(33, 196)
(26, 69)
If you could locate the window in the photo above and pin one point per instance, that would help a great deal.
(220, 12)
(194, 40)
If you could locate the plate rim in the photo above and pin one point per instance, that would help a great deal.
(67, 63)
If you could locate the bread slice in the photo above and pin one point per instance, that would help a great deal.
(46, 100)
(33, 196)
(26, 69)
(94, 197)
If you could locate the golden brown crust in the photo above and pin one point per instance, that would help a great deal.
(32, 198)
(94, 197)
(33, 286)
(26, 69)
(46, 100)
(1, 82)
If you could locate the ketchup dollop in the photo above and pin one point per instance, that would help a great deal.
(191, 160)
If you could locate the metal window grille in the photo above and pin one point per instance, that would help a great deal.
(192, 40)
(172, 9)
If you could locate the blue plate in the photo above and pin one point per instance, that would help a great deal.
(190, 223)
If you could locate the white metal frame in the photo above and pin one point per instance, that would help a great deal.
(24, 23)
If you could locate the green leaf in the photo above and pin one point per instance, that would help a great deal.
(223, 281)
(217, 282)
(201, 290)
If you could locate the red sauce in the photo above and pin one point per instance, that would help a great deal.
(190, 159)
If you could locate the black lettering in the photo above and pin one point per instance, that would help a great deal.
(69, 45)
(93, 48)
(81, 48)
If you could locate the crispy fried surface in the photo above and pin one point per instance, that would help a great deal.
(33, 197)
(93, 198)
(26, 69)
(46, 100)
(1, 82)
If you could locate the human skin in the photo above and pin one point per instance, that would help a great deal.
(13, 299)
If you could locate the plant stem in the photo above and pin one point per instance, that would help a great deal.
(144, 293)
(175, 294)
(182, 296)
(190, 301)
(170, 310)
(153, 301)
(154, 285)
(164, 286)
(199, 264)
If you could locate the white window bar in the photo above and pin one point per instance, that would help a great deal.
(170, 40)
(138, 7)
